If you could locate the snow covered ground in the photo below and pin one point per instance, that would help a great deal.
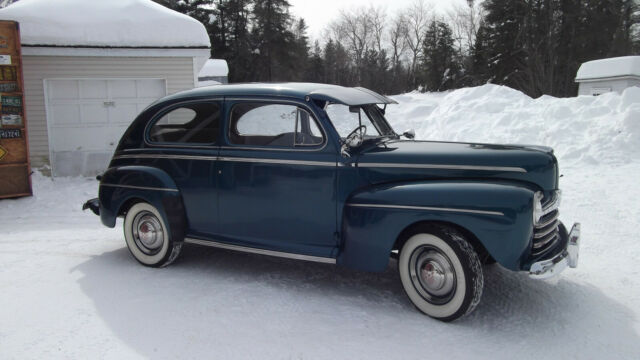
(70, 289)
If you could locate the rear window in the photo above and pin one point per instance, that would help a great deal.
(196, 123)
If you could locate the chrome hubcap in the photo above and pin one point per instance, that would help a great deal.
(432, 274)
(147, 233)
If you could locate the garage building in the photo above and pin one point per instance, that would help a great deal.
(606, 75)
(91, 66)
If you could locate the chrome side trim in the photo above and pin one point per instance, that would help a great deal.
(287, 255)
(429, 208)
(444, 167)
(161, 156)
(226, 158)
(278, 161)
(139, 187)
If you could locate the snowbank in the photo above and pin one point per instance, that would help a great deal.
(582, 130)
(611, 67)
(113, 23)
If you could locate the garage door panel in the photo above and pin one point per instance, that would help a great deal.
(123, 113)
(93, 89)
(154, 89)
(94, 114)
(65, 114)
(80, 139)
(114, 136)
(63, 89)
(123, 89)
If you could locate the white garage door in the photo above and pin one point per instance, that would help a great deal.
(86, 119)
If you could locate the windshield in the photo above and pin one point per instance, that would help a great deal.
(347, 118)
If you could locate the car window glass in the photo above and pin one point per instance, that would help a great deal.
(279, 125)
(346, 121)
(196, 123)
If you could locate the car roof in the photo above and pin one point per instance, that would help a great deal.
(351, 96)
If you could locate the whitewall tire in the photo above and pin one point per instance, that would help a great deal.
(441, 273)
(148, 237)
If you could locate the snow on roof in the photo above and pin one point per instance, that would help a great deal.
(214, 67)
(99, 23)
(607, 68)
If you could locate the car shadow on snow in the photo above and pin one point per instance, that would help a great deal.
(210, 295)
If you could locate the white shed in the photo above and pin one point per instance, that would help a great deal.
(605, 75)
(91, 66)
(214, 72)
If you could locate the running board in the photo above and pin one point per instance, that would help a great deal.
(287, 255)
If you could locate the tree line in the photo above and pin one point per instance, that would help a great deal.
(535, 46)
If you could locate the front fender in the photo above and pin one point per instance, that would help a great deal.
(121, 185)
(498, 214)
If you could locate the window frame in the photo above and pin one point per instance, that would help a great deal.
(165, 110)
(300, 106)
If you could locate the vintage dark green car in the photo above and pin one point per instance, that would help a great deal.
(315, 172)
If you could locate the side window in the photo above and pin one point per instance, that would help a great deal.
(196, 123)
(280, 125)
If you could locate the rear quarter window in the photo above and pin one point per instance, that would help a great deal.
(196, 123)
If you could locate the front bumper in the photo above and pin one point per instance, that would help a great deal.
(568, 257)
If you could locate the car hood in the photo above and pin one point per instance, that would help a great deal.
(410, 160)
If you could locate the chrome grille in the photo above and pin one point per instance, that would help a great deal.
(546, 233)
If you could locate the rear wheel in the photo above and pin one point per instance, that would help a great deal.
(148, 237)
(441, 273)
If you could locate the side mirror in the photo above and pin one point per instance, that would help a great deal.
(409, 134)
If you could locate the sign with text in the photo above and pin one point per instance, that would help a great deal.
(15, 169)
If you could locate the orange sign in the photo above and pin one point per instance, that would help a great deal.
(3, 152)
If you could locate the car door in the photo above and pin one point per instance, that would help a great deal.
(277, 178)
(183, 141)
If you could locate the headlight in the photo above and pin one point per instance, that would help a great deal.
(537, 207)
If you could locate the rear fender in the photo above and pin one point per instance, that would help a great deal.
(121, 186)
(498, 214)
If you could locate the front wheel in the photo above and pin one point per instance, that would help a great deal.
(441, 273)
(148, 237)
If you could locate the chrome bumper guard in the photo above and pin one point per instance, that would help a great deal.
(568, 257)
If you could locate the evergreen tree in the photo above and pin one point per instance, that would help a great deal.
(231, 39)
(440, 66)
(315, 72)
(479, 71)
(272, 38)
(198, 9)
(505, 52)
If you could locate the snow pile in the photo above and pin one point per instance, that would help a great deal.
(611, 67)
(582, 130)
(113, 23)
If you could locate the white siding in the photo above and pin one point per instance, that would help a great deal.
(177, 71)
(617, 85)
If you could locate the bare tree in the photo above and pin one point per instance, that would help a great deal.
(465, 22)
(378, 17)
(417, 18)
(359, 30)
(398, 38)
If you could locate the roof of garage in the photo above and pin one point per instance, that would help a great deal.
(624, 66)
(104, 24)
